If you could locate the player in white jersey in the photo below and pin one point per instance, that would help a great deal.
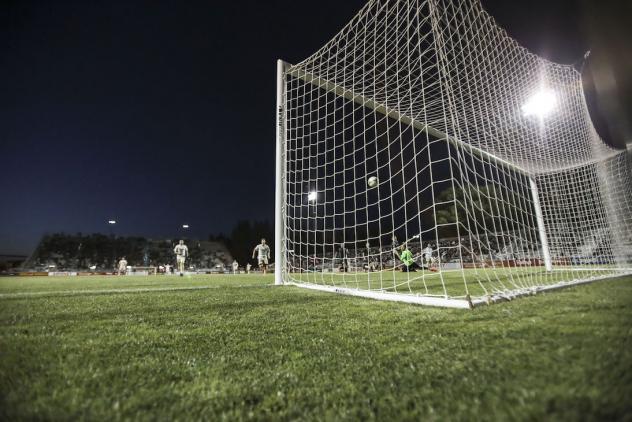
(428, 255)
(181, 252)
(122, 266)
(263, 255)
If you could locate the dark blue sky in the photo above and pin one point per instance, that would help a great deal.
(158, 113)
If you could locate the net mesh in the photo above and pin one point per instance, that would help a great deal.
(491, 179)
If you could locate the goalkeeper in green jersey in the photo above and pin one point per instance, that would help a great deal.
(408, 262)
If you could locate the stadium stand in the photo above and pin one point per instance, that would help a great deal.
(65, 252)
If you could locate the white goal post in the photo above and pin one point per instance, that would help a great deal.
(491, 181)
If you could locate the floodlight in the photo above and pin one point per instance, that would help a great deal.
(540, 104)
(312, 196)
(111, 221)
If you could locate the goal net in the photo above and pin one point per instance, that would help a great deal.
(490, 179)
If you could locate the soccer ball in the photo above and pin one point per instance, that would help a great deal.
(372, 182)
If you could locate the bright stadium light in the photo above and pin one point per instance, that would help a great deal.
(312, 196)
(540, 104)
(111, 221)
(185, 226)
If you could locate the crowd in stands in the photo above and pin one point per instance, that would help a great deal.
(98, 252)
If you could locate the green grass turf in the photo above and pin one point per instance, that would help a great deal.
(242, 349)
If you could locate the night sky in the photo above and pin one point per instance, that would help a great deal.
(160, 113)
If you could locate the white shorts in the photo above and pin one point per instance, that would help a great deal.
(180, 258)
(263, 261)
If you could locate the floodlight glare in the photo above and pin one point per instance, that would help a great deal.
(312, 196)
(111, 221)
(185, 226)
(540, 104)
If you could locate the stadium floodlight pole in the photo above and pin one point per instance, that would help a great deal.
(546, 254)
(279, 206)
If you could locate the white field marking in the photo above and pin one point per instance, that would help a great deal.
(108, 291)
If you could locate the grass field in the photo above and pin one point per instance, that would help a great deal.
(233, 347)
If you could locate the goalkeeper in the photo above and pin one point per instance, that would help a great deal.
(408, 262)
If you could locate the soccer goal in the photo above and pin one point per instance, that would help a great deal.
(424, 156)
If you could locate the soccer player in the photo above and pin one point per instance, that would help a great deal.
(368, 256)
(343, 255)
(406, 256)
(428, 255)
(235, 266)
(122, 266)
(263, 255)
(181, 252)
